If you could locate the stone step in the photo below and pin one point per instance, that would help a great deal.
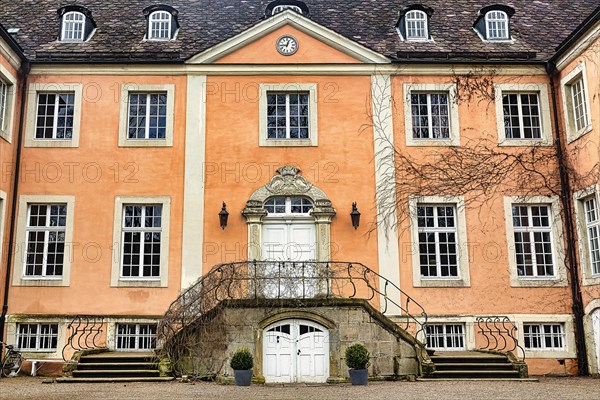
(495, 366)
(114, 358)
(469, 359)
(478, 379)
(115, 379)
(465, 373)
(99, 373)
(117, 366)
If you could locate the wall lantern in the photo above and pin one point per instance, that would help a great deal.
(355, 215)
(223, 216)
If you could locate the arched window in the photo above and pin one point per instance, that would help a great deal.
(279, 6)
(416, 25)
(159, 27)
(288, 205)
(73, 27)
(284, 7)
(496, 25)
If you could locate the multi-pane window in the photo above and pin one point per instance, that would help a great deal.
(73, 26)
(3, 105)
(496, 23)
(287, 115)
(578, 103)
(142, 235)
(445, 336)
(416, 25)
(544, 336)
(136, 336)
(289, 205)
(283, 7)
(430, 115)
(160, 25)
(147, 116)
(55, 116)
(522, 116)
(37, 337)
(438, 252)
(45, 235)
(533, 240)
(592, 222)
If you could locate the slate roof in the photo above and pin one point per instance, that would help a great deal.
(538, 27)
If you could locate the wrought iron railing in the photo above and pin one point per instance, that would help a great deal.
(83, 331)
(500, 334)
(264, 280)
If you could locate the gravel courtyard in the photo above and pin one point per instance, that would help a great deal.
(546, 389)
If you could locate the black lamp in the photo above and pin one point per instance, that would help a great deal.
(355, 215)
(223, 216)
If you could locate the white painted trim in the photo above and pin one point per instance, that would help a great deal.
(276, 69)
(20, 248)
(31, 121)
(587, 278)
(11, 82)
(464, 276)
(115, 276)
(3, 207)
(313, 134)
(126, 90)
(9, 54)
(111, 328)
(560, 270)
(193, 190)
(579, 71)
(383, 138)
(297, 21)
(11, 334)
(541, 89)
(581, 46)
(451, 91)
(592, 311)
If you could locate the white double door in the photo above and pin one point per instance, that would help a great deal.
(289, 245)
(295, 351)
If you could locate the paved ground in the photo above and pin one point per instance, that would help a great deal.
(546, 389)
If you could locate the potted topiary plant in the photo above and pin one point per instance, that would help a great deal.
(357, 359)
(242, 363)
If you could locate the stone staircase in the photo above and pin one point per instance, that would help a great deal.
(476, 365)
(117, 367)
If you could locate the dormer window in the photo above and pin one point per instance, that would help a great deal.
(76, 24)
(496, 25)
(493, 22)
(279, 6)
(161, 23)
(414, 23)
(160, 26)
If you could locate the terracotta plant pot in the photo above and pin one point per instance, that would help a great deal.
(359, 376)
(242, 377)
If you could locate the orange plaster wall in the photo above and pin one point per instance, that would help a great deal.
(341, 165)
(490, 291)
(263, 51)
(123, 172)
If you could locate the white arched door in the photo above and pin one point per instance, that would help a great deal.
(295, 351)
(596, 324)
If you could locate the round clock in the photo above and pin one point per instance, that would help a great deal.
(287, 45)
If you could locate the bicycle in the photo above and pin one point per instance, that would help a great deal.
(12, 362)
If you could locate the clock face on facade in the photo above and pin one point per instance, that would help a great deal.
(287, 45)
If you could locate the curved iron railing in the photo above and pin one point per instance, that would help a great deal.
(500, 334)
(84, 331)
(249, 280)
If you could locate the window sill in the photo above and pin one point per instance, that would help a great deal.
(27, 281)
(288, 143)
(6, 136)
(148, 283)
(45, 143)
(530, 353)
(525, 142)
(441, 282)
(539, 282)
(411, 142)
(571, 137)
(146, 143)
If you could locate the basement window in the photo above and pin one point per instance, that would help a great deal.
(136, 337)
(446, 336)
(544, 336)
(37, 337)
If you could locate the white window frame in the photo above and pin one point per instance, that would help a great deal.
(288, 207)
(65, 23)
(32, 103)
(566, 86)
(133, 88)
(7, 118)
(588, 278)
(137, 336)
(463, 279)
(451, 91)
(541, 89)
(422, 17)
(455, 337)
(19, 277)
(560, 276)
(283, 7)
(38, 336)
(567, 320)
(161, 281)
(543, 334)
(151, 20)
(488, 20)
(142, 231)
(311, 89)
